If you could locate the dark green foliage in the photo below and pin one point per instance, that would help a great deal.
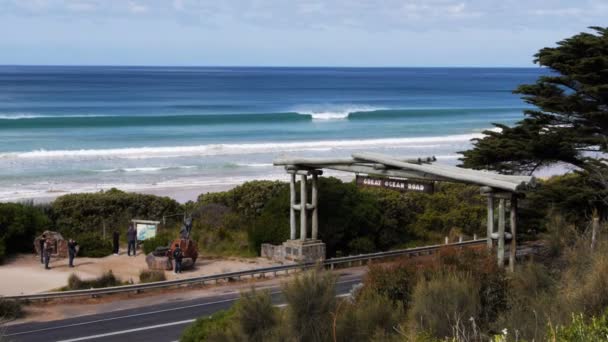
(571, 115)
(272, 225)
(160, 240)
(247, 199)
(19, 224)
(573, 196)
(211, 328)
(150, 276)
(356, 220)
(94, 246)
(9, 309)
(88, 213)
(105, 280)
(453, 207)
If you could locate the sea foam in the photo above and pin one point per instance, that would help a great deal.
(247, 148)
(335, 112)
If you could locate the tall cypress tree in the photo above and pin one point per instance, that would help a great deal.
(570, 122)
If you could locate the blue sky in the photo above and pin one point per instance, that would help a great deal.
(289, 32)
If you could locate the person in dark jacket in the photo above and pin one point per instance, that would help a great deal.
(115, 237)
(41, 245)
(47, 250)
(131, 239)
(72, 251)
(178, 255)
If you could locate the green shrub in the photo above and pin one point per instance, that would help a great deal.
(216, 327)
(105, 280)
(19, 224)
(311, 301)
(445, 305)
(393, 281)
(94, 246)
(150, 276)
(76, 214)
(371, 317)
(225, 243)
(10, 309)
(249, 199)
(256, 315)
(582, 330)
(160, 240)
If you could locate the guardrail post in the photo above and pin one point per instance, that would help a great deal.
(460, 239)
(447, 240)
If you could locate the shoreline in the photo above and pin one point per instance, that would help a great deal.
(181, 194)
(190, 192)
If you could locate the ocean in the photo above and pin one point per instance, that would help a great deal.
(82, 129)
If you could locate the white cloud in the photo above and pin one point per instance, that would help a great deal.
(137, 8)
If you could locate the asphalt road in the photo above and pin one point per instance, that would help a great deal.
(162, 323)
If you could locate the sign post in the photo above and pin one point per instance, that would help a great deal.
(145, 229)
(396, 184)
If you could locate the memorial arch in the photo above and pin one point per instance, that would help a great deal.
(506, 189)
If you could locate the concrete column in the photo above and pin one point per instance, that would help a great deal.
(315, 204)
(513, 223)
(490, 220)
(501, 233)
(303, 202)
(292, 211)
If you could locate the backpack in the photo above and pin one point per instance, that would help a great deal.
(177, 254)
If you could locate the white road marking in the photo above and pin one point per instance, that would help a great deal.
(127, 316)
(149, 313)
(188, 321)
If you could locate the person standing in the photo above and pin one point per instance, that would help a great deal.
(41, 245)
(47, 249)
(131, 239)
(177, 257)
(72, 251)
(115, 238)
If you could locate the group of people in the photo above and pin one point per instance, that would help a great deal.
(48, 246)
(131, 241)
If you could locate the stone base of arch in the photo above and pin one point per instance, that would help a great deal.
(295, 250)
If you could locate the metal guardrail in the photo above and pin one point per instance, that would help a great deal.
(329, 263)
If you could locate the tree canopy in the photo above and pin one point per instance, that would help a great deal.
(570, 122)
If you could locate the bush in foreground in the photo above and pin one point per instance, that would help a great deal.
(150, 276)
(10, 309)
(581, 330)
(445, 305)
(211, 328)
(105, 280)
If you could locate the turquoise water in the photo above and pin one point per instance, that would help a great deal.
(65, 129)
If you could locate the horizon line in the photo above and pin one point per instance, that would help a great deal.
(270, 66)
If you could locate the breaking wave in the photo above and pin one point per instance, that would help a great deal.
(236, 149)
